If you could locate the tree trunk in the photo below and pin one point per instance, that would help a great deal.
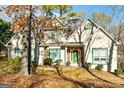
(110, 57)
(26, 54)
(24, 60)
(36, 56)
(29, 40)
(24, 63)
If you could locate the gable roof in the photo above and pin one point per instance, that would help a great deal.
(16, 35)
(10, 40)
(74, 30)
(97, 26)
(104, 31)
(33, 34)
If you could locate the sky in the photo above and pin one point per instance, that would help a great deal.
(89, 8)
(99, 8)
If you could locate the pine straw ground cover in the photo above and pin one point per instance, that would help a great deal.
(63, 77)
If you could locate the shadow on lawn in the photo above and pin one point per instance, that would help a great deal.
(82, 83)
(119, 77)
(103, 79)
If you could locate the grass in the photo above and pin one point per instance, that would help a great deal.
(63, 77)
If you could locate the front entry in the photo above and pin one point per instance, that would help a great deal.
(74, 56)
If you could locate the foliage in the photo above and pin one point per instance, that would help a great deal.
(25, 18)
(119, 71)
(12, 65)
(2, 58)
(101, 18)
(58, 61)
(5, 35)
(68, 63)
(63, 9)
(83, 13)
(47, 61)
(72, 14)
(99, 67)
(87, 65)
(48, 9)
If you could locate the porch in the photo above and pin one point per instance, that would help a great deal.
(70, 55)
(74, 55)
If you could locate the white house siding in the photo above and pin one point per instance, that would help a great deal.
(75, 38)
(100, 40)
(41, 52)
(62, 56)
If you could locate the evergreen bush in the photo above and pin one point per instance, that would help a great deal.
(99, 67)
(47, 61)
(119, 71)
(68, 63)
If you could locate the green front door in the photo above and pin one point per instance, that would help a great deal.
(75, 56)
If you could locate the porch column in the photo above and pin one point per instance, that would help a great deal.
(9, 52)
(65, 54)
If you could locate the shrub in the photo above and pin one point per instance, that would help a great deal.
(2, 58)
(47, 61)
(122, 69)
(119, 71)
(87, 65)
(12, 65)
(58, 61)
(15, 64)
(68, 63)
(99, 67)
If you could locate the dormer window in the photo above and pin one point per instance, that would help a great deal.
(88, 26)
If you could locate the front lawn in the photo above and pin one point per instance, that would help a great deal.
(63, 77)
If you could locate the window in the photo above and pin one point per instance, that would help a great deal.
(16, 52)
(54, 53)
(55, 36)
(88, 26)
(100, 55)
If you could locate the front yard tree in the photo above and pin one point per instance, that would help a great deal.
(21, 22)
(26, 21)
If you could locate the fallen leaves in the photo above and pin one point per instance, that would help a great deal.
(62, 77)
